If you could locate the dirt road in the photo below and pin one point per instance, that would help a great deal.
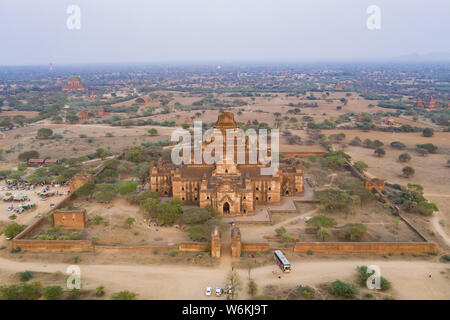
(409, 278)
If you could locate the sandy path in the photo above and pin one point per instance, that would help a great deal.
(410, 278)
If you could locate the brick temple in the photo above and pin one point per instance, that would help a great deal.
(233, 189)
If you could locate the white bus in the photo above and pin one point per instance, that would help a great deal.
(281, 260)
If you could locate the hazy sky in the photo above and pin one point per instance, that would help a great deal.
(35, 32)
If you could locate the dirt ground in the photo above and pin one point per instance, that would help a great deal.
(409, 276)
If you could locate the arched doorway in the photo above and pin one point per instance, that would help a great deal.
(226, 208)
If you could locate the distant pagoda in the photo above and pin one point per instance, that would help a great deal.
(432, 104)
(338, 86)
(419, 103)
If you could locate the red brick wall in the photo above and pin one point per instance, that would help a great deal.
(366, 247)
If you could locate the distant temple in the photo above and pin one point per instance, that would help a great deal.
(83, 115)
(233, 189)
(338, 86)
(74, 84)
(101, 112)
(419, 103)
(432, 104)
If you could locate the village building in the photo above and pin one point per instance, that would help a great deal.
(233, 189)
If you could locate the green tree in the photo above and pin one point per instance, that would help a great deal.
(196, 233)
(408, 171)
(127, 187)
(27, 155)
(322, 221)
(13, 229)
(404, 157)
(152, 132)
(360, 166)
(343, 289)
(44, 133)
(129, 221)
(252, 288)
(52, 292)
(380, 152)
(428, 132)
(234, 280)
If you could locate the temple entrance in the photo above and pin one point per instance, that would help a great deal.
(226, 208)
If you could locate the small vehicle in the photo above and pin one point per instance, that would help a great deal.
(52, 205)
(218, 291)
(208, 291)
(230, 289)
(10, 208)
(43, 198)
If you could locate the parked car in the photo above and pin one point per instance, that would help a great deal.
(219, 291)
(230, 289)
(208, 291)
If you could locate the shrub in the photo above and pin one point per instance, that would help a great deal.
(408, 171)
(197, 233)
(360, 166)
(280, 231)
(127, 187)
(195, 215)
(27, 155)
(52, 292)
(333, 200)
(25, 276)
(124, 295)
(404, 157)
(323, 234)
(429, 147)
(322, 221)
(287, 238)
(353, 232)
(100, 291)
(428, 132)
(97, 219)
(252, 288)
(20, 292)
(129, 221)
(13, 229)
(343, 289)
(380, 152)
(398, 145)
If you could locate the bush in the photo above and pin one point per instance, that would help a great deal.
(398, 145)
(353, 232)
(404, 157)
(13, 229)
(195, 215)
(380, 152)
(323, 234)
(20, 292)
(124, 295)
(429, 147)
(333, 200)
(52, 292)
(322, 221)
(280, 231)
(129, 221)
(27, 155)
(343, 289)
(408, 171)
(25, 276)
(100, 291)
(252, 288)
(287, 238)
(197, 233)
(428, 132)
(127, 187)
